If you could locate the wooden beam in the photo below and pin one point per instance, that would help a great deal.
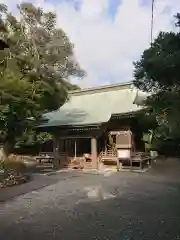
(114, 132)
(75, 137)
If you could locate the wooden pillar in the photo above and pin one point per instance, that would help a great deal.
(94, 152)
(75, 149)
(61, 145)
(66, 146)
(56, 162)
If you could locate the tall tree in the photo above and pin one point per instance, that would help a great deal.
(158, 72)
(34, 71)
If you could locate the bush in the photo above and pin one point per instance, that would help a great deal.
(15, 163)
(14, 172)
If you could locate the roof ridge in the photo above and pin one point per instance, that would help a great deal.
(99, 88)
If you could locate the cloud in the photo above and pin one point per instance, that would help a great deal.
(110, 34)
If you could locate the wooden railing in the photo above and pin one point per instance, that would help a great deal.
(108, 156)
(108, 153)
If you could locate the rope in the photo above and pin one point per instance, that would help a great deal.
(152, 20)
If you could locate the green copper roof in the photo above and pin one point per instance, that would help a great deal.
(94, 106)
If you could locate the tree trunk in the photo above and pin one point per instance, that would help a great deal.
(3, 155)
(5, 149)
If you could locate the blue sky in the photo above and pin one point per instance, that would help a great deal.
(109, 34)
(112, 5)
(146, 3)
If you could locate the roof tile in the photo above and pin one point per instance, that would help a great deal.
(94, 106)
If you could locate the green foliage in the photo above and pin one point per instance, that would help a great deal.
(34, 71)
(148, 140)
(158, 72)
(147, 119)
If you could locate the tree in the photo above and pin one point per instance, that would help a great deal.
(34, 71)
(158, 72)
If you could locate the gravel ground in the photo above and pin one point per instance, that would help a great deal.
(37, 181)
(87, 206)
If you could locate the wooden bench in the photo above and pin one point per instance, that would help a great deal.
(141, 158)
(45, 157)
(49, 157)
(137, 161)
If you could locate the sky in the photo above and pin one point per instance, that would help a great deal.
(108, 34)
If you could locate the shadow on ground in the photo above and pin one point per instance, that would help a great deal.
(36, 183)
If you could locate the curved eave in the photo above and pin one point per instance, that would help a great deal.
(126, 115)
(140, 98)
(74, 128)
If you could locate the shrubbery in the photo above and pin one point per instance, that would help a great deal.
(15, 163)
